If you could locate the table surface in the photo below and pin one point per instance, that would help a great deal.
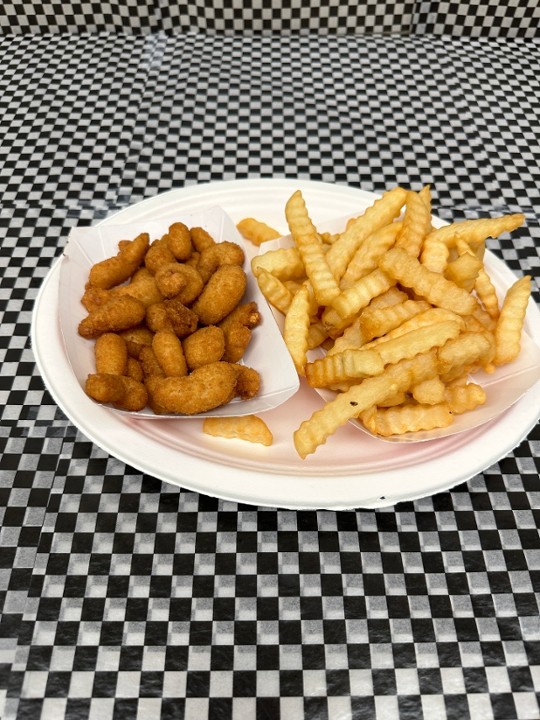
(125, 597)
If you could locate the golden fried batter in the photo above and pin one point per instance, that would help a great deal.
(221, 294)
(169, 353)
(115, 270)
(181, 281)
(158, 254)
(223, 253)
(117, 314)
(136, 338)
(157, 318)
(111, 354)
(248, 382)
(204, 346)
(237, 328)
(206, 388)
(184, 321)
(179, 241)
(201, 239)
(143, 287)
(123, 392)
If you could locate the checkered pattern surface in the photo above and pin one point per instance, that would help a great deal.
(122, 597)
(498, 18)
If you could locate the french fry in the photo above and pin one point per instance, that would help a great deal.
(417, 341)
(297, 324)
(381, 213)
(429, 392)
(251, 428)
(311, 251)
(345, 365)
(464, 271)
(476, 231)
(464, 398)
(435, 254)
(396, 378)
(379, 321)
(284, 263)
(432, 286)
(348, 303)
(510, 324)
(406, 418)
(416, 223)
(274, 291)
(366, 258)
(463, 352)
(256, 231)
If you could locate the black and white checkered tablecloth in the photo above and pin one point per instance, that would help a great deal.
(126, 598)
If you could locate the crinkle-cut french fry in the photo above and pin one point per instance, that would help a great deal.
(393, 296)
(311, 250)
(329, 238)
(316, 335)
(487, 294)
(381, 213)
(314, 431)
(429, 392)
(352, 338)
(247, 427)
(511, 320)
(297, 323)
(416, 224)
(484, 288)
(457, 356)
(406, 418)
(476, 231)
(408, 271)
(393, 400)
(342, 366)
(464, 271)
(366, 258)
(463, 398)
(348, 303)
(417, 341)
(274, 291)
(378, 321)
(257, 231)
(284, 263)
(435, 254)
(423, 319)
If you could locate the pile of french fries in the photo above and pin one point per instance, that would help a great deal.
(405, 313)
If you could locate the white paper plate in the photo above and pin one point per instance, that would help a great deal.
(351, 470)
(267, 352)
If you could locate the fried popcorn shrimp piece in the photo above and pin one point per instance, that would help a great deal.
(248, 382)
(134, 369)
(201, 239)
(115, 270)
(117, 314)
(143, 287)
(179, 241)
(168, 352)
(184, 321)
(136, 338)
(149, 363)
(204, 346)
(181, 281)
(221, 294)
(94, 297)
(237, 327)
(158, 319)
(223, 253)
(206, 388)
(111, 354)
(122, 392)
(158, 255)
